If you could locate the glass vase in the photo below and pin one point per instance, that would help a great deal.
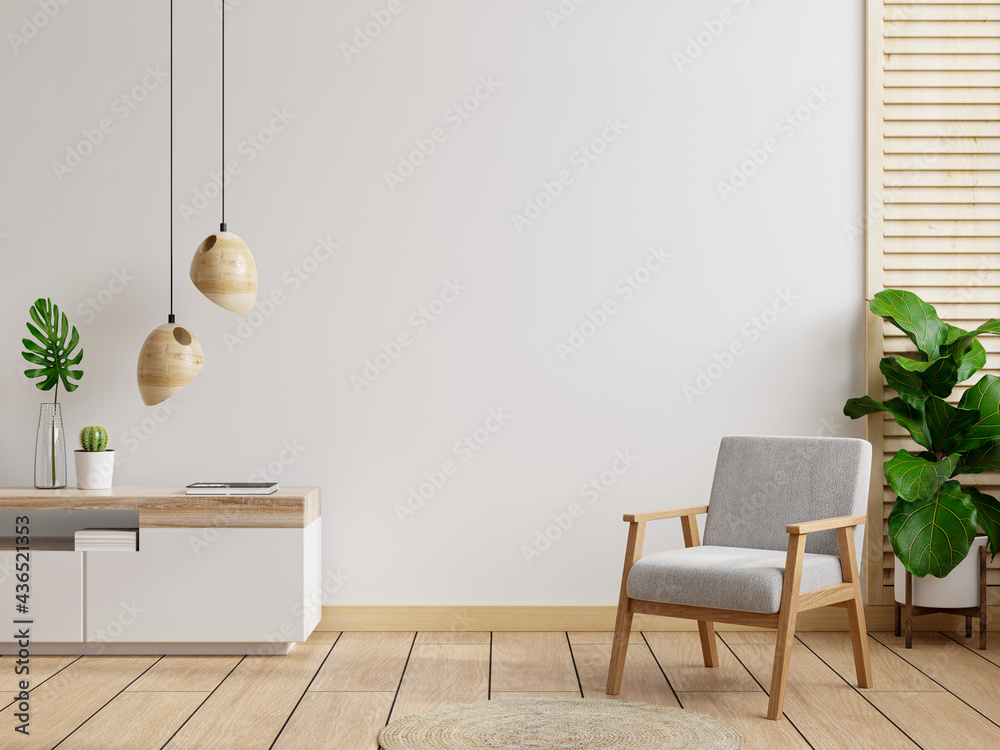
(50, 449)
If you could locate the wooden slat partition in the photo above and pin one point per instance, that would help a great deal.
(933, 198)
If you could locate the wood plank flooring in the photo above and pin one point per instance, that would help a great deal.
(338, 690)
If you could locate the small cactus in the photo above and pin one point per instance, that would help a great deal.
(94, 438)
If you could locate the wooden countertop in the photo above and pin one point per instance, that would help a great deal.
(170, 507)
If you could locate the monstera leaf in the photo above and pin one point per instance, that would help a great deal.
(53, 351)
(934, 519)
(914, 478)
(933, 535)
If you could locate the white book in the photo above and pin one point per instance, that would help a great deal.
(106, 540)
(123, 538)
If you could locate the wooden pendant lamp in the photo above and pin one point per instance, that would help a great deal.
(169, 359)
(171, 355)
(223, 268)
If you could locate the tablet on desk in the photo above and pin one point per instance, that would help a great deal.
(232, 488)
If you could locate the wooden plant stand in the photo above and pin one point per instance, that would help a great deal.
(969, 612)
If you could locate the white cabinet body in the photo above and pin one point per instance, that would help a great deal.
(55, 601)
(209, 585)
(227, 574)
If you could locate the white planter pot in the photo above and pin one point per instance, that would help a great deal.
(960, 588)
(94, 469)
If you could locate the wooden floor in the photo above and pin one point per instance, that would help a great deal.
(336, 691)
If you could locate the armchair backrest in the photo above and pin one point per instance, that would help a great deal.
(764, 483)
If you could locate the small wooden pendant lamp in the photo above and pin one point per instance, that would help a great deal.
(171, 355)
(223, 268)
(169, 359)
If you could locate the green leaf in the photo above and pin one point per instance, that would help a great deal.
(984, 397)
(914, 478)
(38, 334)
(52, 353)
(51, 378)
(860, 407)
(906, 416)
(954, 334)
(40, 314)
(960, 339)
(986, 457)
(74, 340)
(939, 376)
(933, 535)
(914, 317)
(947, 425)
(970, 361)
(988, 515)
(31, 346)
(63, 328)
(907, 384)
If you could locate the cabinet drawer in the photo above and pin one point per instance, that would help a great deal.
(199, 585)
(55, 600)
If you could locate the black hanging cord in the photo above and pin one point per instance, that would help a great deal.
(223, 225)
(170, 317)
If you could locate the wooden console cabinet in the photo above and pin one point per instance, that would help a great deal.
(211, 575)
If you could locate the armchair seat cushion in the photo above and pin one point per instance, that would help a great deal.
(748, 580)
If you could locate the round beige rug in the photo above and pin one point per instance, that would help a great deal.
(559, 724)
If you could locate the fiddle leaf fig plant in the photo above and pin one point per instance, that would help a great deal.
(935, 517)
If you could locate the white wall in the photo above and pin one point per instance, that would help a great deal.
(495, 347)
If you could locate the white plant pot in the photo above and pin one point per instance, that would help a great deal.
(960, 588)
(94, 469)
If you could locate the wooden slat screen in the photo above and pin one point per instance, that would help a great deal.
(933, 197)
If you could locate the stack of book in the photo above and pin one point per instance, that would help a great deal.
(106, 540)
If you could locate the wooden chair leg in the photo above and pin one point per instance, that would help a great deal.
(709, 648)
(706, 629)
(856, 608)
(859, 640)
(782, 659)
(786, 624)
(619, 647)
(623, 623)
(897, 624)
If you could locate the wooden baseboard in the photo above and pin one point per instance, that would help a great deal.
(597, 618)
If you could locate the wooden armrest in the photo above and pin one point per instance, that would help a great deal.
(824, 524)
(656, 515)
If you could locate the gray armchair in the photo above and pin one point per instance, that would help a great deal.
(784, 519)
